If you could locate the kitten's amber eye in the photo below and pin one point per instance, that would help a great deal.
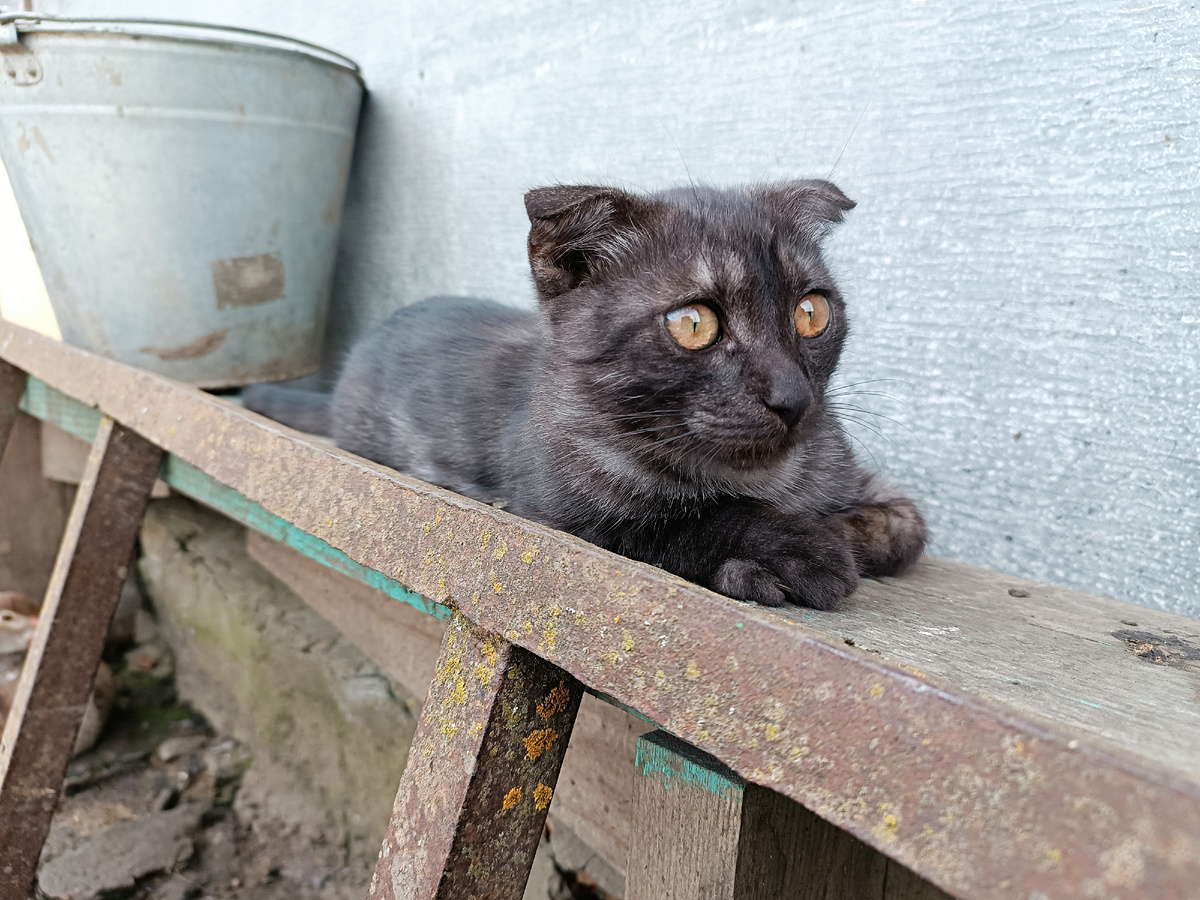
(812, 315)
(694, 327)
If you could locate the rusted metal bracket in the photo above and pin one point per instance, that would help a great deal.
(61, 663)
(481, 773)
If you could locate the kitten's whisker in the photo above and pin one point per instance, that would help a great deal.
(866, 449)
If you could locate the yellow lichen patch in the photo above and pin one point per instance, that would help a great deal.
(549, 637)
(437, 519)
(617, 619)
(692, 673)
(702, 735)
(497, 586)
(612, 657)
(886, 830)
(578, 618)
(512, 634)
(501, 549)
(426, 527)
(442, 591)
(926, 742)
(482, 674)
(660, 676)
(539, 741)
(489, 650)
(528, 555)
(512, 798)
(476, 728)
(449, 729)
(797, 753)
(556, 701)
(449, 669)
(449, 533)
(399, 572)
(877, 691)
(1054, 857)
(772, 732)
(542, 796)
(485, 538)
(627, 641)
(528, 626)
(458, 694)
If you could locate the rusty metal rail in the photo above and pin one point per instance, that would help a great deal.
(981, 798)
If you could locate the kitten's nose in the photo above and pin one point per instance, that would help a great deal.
(788, 396)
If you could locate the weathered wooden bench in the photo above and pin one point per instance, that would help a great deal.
(950, 730)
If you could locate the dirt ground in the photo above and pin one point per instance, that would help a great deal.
(151, 813)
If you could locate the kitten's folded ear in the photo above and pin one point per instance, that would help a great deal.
(812, 205)
(576, 228)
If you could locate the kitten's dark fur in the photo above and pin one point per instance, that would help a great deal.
(723, 465)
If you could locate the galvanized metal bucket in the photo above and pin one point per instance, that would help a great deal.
(182, 187)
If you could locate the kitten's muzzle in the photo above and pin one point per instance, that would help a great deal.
(788, 396)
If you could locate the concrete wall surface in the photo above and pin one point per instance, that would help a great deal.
(1021, 268)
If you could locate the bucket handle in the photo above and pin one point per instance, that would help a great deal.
(9, 25)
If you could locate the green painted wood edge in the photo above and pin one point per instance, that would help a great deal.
(680, 765)
(44, 402)
(53, 406)
(199, 485)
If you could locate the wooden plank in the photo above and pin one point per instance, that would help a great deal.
(904, 884)
(594, 796)
(64, 457)
(61, 664)
(986, 790)
(480, 775)
(701, 832)
(12, 387)
(687, 815)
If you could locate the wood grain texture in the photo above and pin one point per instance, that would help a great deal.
(986, 800)
(700, 832)
(787, 851)
(60, 666)
(687, 819)
(480, 775)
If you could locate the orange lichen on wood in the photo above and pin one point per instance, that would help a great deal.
(539, 741)
(556, 701)
(542, 796)
(512, 798)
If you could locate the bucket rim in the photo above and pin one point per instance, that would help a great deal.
(34, 22)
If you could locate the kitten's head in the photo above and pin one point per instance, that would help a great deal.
(700, 325)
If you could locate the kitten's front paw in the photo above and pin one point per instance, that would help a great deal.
(805, 566)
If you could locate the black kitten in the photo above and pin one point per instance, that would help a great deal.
(667, 401)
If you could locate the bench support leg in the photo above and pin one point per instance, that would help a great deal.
(481, 771)
(61, 664)
(12, 386)
(702, 833)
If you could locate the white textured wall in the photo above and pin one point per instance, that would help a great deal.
(1022, 266)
